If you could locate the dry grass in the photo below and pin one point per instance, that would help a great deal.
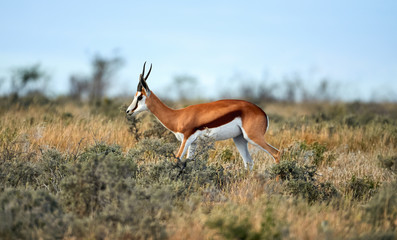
(66, 129)
(355, 151)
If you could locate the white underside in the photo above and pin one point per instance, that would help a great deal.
(229, 130)
(233, 129)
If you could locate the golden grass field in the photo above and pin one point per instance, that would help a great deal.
(356, 137)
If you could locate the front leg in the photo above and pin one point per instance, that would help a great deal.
(182, 149)
(186, 143)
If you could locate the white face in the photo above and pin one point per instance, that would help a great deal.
(138, 104)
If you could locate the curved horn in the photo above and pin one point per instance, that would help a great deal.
(139, 88)
(143, 71)
(142, 79)
(150, 69)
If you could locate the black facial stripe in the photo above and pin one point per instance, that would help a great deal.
(139, 98)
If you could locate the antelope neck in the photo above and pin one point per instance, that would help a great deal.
(164, 114)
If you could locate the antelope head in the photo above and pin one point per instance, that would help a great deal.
(142, 93)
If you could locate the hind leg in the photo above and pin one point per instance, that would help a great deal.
(274, 152)
(242, 146)
(191, 150)
(260, 142)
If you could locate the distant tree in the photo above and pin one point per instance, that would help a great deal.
(103, 71)
(265, 93)
(95, 86)
(257, 92)
(79, 86)
(23, 77)
(2, 80)
(292, 89)
(324, 91)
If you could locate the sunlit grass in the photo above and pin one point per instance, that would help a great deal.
(348, 143)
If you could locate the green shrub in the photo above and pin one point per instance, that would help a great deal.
(311, 191)
(315, 153)
(226, 156)
(232, 226)
(157, 130)
(19, 174)
(100, 149)
(107, 187)
(362, 188)
(134, 124)
(388, 163)
(300, 182)
(53, 168)
(290, 170)
(140, 214)
(99, 175)
(304, 189)
(184, 176)
(29, 214)
(45, 173)
(152, 148)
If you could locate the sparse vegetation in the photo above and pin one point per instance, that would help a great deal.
(85, 172)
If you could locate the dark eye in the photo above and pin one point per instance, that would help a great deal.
(139, 98)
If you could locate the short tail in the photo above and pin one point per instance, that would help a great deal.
(267, 122)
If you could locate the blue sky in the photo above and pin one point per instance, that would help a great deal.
(351, 43)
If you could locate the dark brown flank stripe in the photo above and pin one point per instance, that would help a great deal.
(222, 120)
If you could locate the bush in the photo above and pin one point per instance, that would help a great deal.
(184, 176)
(19, 174)
(389, 162)
(129, 202)
(152, 149)
(46, 173)
(226, 156)
(311, 191)
(53, 168)
(157, 130)
(100, 149)
(103, 188)
(99, 175)
(238, 226)
(315, 153)
(133, 123)
(300, 182)
(289, 170)
(141, 214)
(362, 188)
(29, 214)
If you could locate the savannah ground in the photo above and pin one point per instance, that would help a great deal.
(75, 171)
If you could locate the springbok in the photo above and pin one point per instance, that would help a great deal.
(241, 120)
